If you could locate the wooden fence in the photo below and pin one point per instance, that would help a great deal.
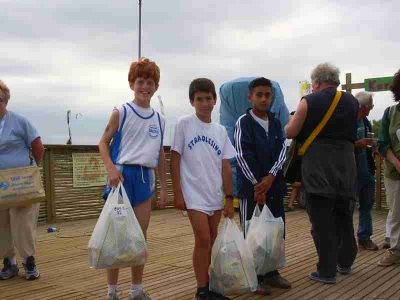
(65, 202)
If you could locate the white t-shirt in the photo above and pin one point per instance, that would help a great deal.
(139, 138)
(202, 147)
(263, 123)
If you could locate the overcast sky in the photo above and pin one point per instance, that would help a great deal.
(74, 55)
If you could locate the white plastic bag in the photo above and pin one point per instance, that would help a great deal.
(232, 269)
(265, 241)
(117, 240)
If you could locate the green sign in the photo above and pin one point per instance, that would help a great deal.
(378, 84)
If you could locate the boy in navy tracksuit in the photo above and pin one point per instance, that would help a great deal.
(261, 152)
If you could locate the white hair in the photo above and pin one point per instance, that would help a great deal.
(364, 98)
(327, 73)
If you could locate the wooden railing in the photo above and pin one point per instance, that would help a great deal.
(65, 202)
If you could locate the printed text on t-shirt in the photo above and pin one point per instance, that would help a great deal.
(207, 140)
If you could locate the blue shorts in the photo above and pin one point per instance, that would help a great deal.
(138, 183)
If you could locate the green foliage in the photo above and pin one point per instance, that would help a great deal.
(376, 125)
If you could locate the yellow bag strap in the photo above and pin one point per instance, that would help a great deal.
(321, 124)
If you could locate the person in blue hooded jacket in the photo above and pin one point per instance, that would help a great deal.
(261, 152)
(234, 103)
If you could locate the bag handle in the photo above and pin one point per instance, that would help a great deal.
(321, 124)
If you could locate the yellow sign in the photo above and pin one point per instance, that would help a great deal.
(305, 88)
(88, 170)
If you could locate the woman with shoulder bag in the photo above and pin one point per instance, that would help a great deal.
(325, 125)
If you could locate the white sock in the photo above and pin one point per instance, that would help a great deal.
(136, 287)
(13, 260)
(112, 288)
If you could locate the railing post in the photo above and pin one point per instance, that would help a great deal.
(378, 185)
(49, 188)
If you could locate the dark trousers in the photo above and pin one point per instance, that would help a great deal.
(333, 233)
(247, 206)
(366, 199)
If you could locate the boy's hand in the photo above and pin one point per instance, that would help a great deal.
(179, 202)
(229, 211)
(114, 177)
(265, 184)
(163, 201)
(259, 198)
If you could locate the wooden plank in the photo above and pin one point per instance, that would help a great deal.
(169, 272)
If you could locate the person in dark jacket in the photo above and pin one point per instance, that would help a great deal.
(329, 171)
(366, 172)
(261, 152)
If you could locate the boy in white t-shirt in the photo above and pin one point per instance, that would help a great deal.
(136, 132)
(201, 174)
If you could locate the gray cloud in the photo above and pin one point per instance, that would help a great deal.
(62, 55)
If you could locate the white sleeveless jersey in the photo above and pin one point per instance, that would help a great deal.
(139, 138)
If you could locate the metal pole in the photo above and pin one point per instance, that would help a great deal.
(140, 29)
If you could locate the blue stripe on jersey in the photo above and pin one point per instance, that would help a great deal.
(139, 114)
(116, 143)
(162, 135)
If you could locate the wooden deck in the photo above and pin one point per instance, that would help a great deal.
(63, 262)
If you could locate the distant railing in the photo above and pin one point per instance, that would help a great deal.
(65, 202)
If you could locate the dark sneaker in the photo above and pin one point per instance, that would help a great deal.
(343, 271)
(289, 209)
(389, 259)
(328, 280)
(215, 296)
(278, 281)
(31, 272)
(202, 296)
(386, 243)
(9, 270)
(263, 289)
(368, 245)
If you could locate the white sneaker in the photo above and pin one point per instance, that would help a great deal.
(139, 295)
(114, 296)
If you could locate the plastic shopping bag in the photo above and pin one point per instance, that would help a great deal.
(117, 240)
(232, 268)
(265, 241)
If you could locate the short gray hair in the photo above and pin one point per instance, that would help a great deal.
(327, 73)
(6, 91)
(364, 98)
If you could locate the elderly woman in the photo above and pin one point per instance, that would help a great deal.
(17, 225)
(389, 147)
(328, 172)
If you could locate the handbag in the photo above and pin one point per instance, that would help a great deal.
(292, 166)
(20, 187)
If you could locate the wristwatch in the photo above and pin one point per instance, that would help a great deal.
(229, 197)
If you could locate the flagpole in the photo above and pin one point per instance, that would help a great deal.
(140, 29)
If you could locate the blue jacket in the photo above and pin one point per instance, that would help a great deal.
(259, 154)
(234, 103)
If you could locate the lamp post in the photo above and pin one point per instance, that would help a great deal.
(140, 29)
